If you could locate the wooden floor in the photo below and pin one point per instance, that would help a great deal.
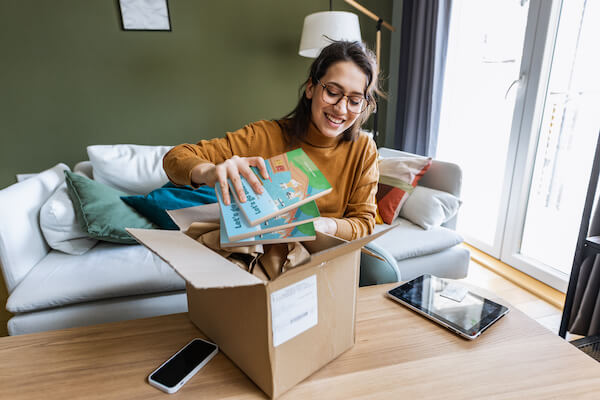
(533, 306)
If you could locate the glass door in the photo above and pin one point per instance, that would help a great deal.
(480, 85)
(542, 230)
(523, 122)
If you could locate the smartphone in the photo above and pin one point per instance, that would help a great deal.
(184, 364)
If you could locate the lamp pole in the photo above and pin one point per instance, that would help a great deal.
(380, 23)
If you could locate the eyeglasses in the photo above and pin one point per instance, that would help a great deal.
(332, 95)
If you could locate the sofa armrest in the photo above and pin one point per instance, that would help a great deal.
(444, 176)
(22, 244)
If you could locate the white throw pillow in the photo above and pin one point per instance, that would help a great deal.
(22, 177)
(60, 226)
(397, 178)
(429, 208)
(131, 168)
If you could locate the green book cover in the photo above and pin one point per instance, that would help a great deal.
(237, 227)
(294, 180)
(298, 233)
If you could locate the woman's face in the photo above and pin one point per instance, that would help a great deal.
(333, 119)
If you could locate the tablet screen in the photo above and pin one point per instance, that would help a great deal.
(444, 301)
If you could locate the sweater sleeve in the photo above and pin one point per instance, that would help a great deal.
(359, 216)
(180, 160)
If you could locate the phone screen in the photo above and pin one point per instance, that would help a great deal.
(183, 363)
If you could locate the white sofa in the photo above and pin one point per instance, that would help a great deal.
(50, 290)
(415, 250)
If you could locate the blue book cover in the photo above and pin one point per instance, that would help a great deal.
(237, 227)
(297, 233)
(294, 180)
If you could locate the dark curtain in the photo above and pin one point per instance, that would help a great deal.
(581, 313)
(424, 40)
(585, 313)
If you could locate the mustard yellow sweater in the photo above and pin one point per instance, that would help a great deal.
(350, 167)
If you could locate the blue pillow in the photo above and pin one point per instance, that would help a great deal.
(169, 197)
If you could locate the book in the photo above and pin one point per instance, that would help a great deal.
(296, 233)
(294, 180)
(238, 228)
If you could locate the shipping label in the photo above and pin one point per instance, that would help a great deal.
(294, 309)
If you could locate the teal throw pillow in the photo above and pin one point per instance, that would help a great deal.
(100, 211)
(169, 197)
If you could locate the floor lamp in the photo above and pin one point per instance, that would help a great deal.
(322, 27)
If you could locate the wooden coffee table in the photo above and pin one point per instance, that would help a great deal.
(398, 354)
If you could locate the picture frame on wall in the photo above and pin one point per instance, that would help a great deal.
(144, 15)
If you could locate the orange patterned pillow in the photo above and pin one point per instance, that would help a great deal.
(398, 177)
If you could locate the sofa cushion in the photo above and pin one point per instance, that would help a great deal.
(428, 207)
(397, 178)
(169, 197)
(131, 168)
(409, 240)
(60, 226)
(107, 271)
(101, 212)
(99, 312)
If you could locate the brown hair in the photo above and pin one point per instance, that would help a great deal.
(298, 120)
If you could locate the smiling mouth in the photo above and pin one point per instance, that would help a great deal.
(333, 119)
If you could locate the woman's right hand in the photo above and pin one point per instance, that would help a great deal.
(231, 169)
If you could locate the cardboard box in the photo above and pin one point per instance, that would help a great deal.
(278, 332)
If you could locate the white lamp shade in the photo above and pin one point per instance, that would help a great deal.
(319, 28)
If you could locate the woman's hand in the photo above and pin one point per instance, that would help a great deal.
(325, 225)
(231, 169)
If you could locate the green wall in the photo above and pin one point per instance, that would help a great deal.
(70, 77)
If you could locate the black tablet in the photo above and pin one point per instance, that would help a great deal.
(449, 304)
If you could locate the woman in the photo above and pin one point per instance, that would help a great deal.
(337, 99)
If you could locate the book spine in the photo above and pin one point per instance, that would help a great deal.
(272, 229)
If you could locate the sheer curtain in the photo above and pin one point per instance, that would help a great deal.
(424, 40)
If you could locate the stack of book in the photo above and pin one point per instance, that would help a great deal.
(286, 209)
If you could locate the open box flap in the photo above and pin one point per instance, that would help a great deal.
(343, 247)
(184, 217)
(196, 263)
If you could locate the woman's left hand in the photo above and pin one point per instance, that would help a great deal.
(325, 225)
